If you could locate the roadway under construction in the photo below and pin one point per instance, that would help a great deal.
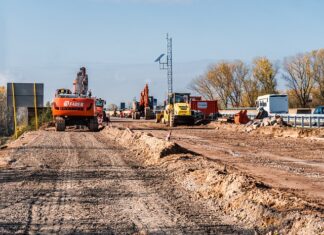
(128, 179)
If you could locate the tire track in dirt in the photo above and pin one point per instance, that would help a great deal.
(81, 182)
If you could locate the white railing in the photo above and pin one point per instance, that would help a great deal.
(296, 120)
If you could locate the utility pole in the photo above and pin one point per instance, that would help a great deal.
(167, 65)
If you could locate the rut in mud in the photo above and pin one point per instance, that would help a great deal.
(81, 182)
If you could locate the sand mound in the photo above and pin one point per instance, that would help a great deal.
(144, 143)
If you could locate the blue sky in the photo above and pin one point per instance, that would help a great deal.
(118, 40)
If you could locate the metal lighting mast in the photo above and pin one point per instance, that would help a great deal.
(167, 65)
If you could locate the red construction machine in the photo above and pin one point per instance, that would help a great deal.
(101, 113)
(77, 108)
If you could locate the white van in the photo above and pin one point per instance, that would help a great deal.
(273, 103)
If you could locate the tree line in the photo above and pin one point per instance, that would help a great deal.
(3, 110)
(237, 84)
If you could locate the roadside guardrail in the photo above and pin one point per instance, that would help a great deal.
(296, 120)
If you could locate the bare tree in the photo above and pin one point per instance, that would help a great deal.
(220, 77)
(223, 81)
(202, 86)
(251, 92)
(317, 63)
(239, 74)
(300, 77)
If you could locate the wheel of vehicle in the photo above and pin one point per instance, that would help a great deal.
(59, 124)
(146, 113)
(93, 124)
(105, 119)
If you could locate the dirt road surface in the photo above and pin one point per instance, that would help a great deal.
(81, 182)
(291, 164)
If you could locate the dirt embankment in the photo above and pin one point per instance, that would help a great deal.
(245, 199)
(275, 131)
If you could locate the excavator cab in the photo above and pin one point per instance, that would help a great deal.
(100, 103)
(62, 92)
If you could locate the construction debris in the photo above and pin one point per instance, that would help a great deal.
(267, 121)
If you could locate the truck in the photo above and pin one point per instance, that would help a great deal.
(273, 103)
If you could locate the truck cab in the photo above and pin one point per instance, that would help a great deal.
(100, 110)
(273, 103)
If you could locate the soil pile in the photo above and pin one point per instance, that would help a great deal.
(224, 188)
(144, 143)
(273, 130)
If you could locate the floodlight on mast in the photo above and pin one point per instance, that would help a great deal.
(167, 65)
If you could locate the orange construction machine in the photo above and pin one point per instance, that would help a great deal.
(144, 108)
(77, 108)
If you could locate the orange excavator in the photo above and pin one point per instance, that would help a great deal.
(144, 108)
(77, 108)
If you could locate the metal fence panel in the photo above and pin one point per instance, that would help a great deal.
(24, 94)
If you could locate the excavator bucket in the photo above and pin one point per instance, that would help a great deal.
(241, 117)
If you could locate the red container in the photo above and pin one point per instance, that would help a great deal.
(195, 97)
(207, 107)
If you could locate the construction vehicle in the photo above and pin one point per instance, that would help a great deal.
(101, 113)
(77, 108)
(144, 108)
(273, 103)
(177, 111)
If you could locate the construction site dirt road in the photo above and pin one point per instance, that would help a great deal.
(123, 181)
(81, 182)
